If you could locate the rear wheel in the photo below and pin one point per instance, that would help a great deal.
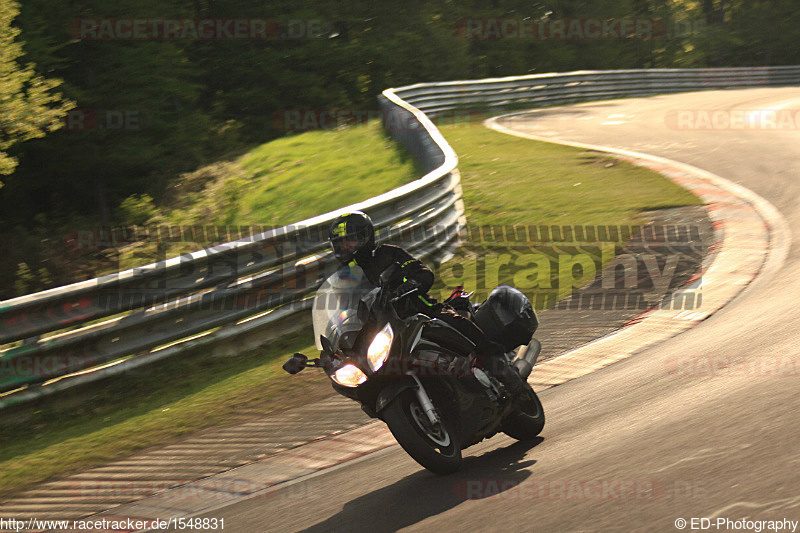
(434, 446)
(527, 420)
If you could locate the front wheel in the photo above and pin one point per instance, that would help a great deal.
(527, 420)
(433, 446)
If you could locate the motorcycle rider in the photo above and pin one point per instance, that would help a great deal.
(352, 237)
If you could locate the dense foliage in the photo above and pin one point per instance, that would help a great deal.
(149, 109)
(28, 108)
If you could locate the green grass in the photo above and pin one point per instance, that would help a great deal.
(298, 179)
(506, 180)
(510, 180)
(291, 179)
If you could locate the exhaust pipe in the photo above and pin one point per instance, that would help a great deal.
(524, 363)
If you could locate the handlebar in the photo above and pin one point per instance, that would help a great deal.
(409, 293)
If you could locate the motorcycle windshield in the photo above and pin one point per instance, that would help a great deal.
(335, 311)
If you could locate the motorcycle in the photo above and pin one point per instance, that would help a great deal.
(420, 375)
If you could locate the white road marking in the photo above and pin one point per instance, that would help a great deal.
(705, 453)
(753, 115)
(782, 504)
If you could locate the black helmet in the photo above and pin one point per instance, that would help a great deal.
(351, 234)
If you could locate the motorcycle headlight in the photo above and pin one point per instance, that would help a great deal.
(378, 350)
(349, 376)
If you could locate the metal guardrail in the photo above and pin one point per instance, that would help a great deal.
(540, 90)
(246, 287)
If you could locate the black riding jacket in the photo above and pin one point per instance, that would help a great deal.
(375, 262)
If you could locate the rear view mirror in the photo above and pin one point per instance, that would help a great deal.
(295, 363)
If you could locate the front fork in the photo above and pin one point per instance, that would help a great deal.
(391, 392)
(425, 401)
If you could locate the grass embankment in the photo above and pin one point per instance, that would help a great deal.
(277, 183)
(506, 180)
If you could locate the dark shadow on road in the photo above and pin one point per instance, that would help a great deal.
(422, 494)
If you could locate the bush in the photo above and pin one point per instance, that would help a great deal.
(137, 209)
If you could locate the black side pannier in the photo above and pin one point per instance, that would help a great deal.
(507, 317)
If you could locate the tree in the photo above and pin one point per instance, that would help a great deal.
(29, 107)
(138, 122)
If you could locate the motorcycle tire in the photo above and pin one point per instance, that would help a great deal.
(435, 448)
(527, 420)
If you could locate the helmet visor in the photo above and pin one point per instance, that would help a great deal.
(346, 246)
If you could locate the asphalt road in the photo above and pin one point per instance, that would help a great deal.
(705, 425)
